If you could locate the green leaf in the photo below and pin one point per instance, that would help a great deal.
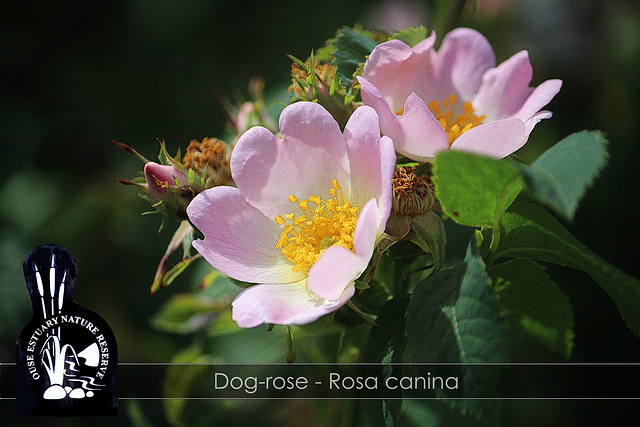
(185, 313)
(177, 270)
(411, 36)
(183, 236)
(361, 286)
(534, 305)
(401, 266)
(351, 49)
(188, 313)
(528, 230)
(386, 344)
(454, 317)
(559, 178)
(429, 229)
(474, 190)
(182, 380)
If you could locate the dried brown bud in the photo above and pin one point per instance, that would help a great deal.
(412, 194)
(209, 158)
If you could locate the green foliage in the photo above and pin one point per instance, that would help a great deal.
(561, 175)
(430, 236)
(351, 49)
(454, 317)
(411, 36)
(535, 307)
(527, 230)
(182, 380)
(474, 190)
(386, 343)
(400, 268)
(189, 313)
(185, 313)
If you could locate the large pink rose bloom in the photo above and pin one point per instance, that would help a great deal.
(306, 215)
(455, 98)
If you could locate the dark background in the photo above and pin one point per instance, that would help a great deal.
(75, 75)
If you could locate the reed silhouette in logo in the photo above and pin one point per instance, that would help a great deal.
(67, 354)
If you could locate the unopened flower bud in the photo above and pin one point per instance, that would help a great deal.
(160, 178)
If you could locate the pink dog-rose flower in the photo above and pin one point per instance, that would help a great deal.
(305, 216)
(455, 98)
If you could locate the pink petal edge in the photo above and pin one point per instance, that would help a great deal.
(288, 304)
(494, 139)
(312, 152)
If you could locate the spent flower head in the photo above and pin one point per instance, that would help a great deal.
(413, 194)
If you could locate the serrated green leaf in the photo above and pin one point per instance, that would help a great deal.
(185, 313)
(411, 36)
(351, 49)
(559, 178)
(474, 190)
(182, 380)
(454, 317)
(386, 343)
(534, 305)
(429, 228)
(528, 230)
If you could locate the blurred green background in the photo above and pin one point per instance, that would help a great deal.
(78, 74)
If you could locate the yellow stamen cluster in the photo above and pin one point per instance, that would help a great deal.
(412, 194)
(305, 237)
(454, 125)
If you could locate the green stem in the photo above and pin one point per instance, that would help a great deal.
(362, 314)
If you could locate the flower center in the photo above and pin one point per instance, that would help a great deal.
(412, 194)
(454, 124)
(305, 237)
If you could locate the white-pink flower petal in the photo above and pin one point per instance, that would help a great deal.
(389, 59)
(283, 304)
(371, 161)
(495, 139)
(242, 233)
(239, 240)
(401, 83)
(465, 55)
(505, 88)
(310, 154)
